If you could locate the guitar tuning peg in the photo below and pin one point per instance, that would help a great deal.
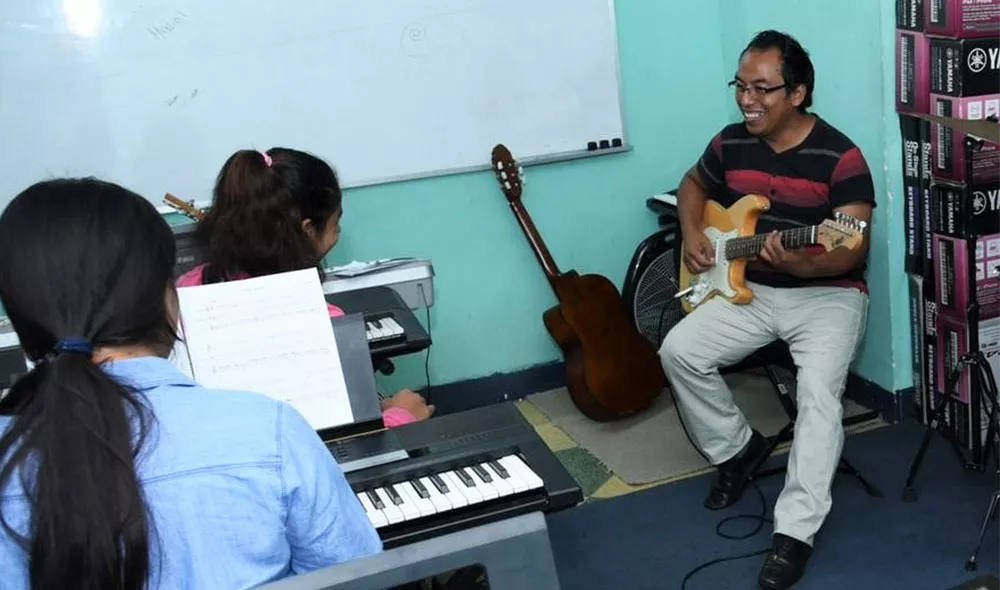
(499, 165)
(520, 170)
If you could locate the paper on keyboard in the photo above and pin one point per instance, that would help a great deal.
(268, 334)
(355, 268)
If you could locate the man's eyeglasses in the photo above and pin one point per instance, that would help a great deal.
(756, 91)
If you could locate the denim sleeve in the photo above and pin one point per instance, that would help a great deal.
(326, 523)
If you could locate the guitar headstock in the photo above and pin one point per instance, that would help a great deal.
(843, 231)
(184, 207)
(509, 174)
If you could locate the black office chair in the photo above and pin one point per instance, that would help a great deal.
(652, 279)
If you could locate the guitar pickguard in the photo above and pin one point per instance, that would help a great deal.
(716, 279)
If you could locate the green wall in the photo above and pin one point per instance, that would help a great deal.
(676, 58)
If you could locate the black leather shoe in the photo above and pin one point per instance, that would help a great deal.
(786, 563)
(733, 475)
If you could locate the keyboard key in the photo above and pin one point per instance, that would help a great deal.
(375, 516)
(375, 500)
(483, 475)
(391, 512)
(424, 507)
(465, 478)
(471, 495)
(436, 497)
(439, 483)
(498, 469)
(420, 489)
(393, 495)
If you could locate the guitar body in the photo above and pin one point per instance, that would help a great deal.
(727, 278)
(611, 370)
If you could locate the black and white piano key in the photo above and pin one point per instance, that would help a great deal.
(449, 490)
(382, 329)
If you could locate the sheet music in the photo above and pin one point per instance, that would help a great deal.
(271, 335)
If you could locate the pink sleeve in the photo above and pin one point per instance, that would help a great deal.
(397, 417)
(191, 278)
(335, 312)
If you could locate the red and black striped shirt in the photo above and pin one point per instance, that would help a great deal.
(805, 184)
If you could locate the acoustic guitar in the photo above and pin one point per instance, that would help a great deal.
(731, 232)
(611, 370)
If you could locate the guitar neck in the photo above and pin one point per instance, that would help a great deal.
(537, 244)
(750, 246)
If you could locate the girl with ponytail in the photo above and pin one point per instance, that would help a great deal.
(116, 471)
(273, 212)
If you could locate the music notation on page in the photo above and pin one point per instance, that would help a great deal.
(270, 335)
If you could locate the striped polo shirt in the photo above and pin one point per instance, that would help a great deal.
(804, 184)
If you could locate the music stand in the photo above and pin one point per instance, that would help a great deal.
(515, 553)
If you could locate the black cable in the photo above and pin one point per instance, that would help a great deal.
(760, 518)
(427, 355)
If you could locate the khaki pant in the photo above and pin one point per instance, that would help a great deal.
(823, 327)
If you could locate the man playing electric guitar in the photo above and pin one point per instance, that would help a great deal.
(816, 302)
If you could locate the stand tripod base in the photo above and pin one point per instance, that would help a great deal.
(991, 514)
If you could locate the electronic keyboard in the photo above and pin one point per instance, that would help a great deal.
(391, 328)
(454, 472)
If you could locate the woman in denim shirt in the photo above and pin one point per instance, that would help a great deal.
(117, 471)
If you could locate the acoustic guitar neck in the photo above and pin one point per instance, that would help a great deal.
(510, 177)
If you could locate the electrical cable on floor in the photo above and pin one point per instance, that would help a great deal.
(761, 520)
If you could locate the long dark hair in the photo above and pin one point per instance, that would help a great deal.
(260, 200)
(88, 260)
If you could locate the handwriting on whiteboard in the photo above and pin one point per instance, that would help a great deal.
(183, 99)
(162, 30)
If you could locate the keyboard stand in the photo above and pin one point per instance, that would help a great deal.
(515, 553)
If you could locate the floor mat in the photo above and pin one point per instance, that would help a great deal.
(653, 447)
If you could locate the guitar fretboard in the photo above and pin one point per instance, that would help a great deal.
(750, 246)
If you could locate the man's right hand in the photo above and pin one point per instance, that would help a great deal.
(699, 255)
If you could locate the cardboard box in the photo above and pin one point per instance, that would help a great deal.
(953, 268)
(916, 185)
(962, 18)
(965, 67)
(910, 15)
(964, 407)
(920, 394)
(965, 210)
(913, 86)
(949, 151)
(931, 395)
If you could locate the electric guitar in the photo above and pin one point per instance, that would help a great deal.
(611, 370)
(731, 232)
(185, 207)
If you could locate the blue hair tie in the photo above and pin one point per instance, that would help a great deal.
(78, 345)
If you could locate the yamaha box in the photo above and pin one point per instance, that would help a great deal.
(953, 268)
(913, 85)
(965, 210)
(949, 152)
(965, 67)
(916, 185)
(910, 15)
(961, 18)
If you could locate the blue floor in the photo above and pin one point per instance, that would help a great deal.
(650, 539)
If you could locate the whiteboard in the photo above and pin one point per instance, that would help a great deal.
(155, 95)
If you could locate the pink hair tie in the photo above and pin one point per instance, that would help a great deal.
(267, 158)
